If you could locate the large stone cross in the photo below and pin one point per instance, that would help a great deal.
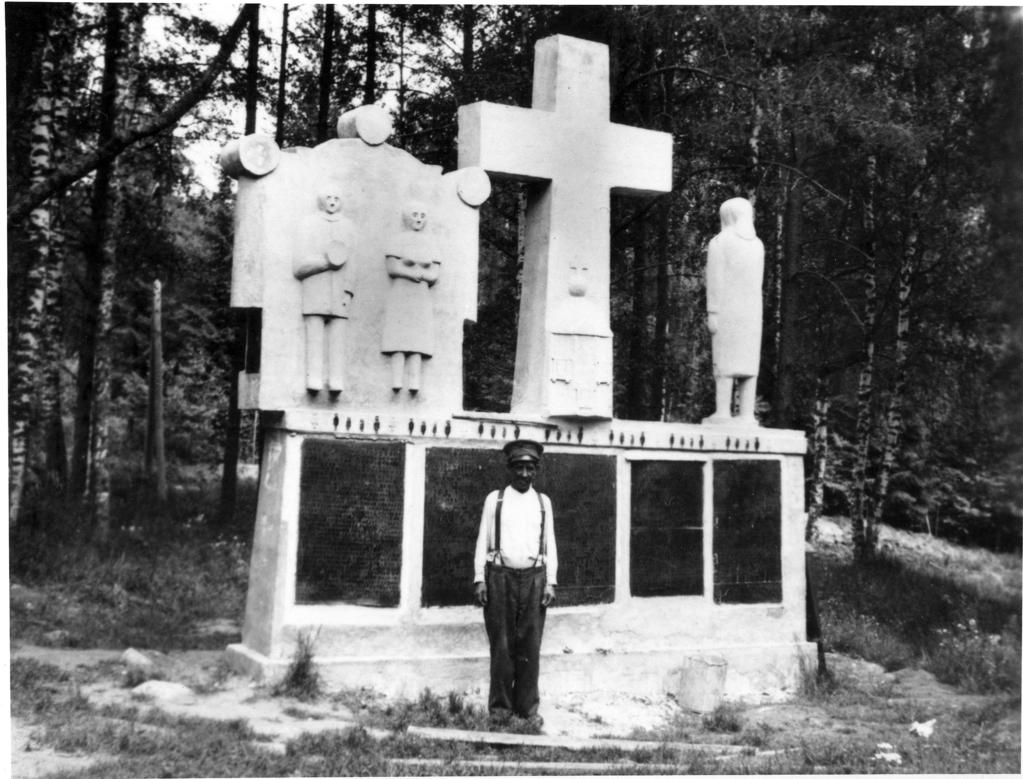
(575, 157)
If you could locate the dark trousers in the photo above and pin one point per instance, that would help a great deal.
(514, 618)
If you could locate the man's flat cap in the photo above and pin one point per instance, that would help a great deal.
(522, 449)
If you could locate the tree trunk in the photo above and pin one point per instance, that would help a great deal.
(99, 479)
(636, 381)
(370, 92)
(326, 73)
(662, 313)
(131, 28)
(282, 79)
(466, 90)
(662, 299)
(97, 259)
(252, 72)
(753, 144)
(863, 530)
(27, 351)
(156, 462)
(774, 286)
(233, 427)
(821, 406)
(402, 92)
(788, 319)
(51, 407)
(894, 420)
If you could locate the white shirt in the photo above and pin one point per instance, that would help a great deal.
(520, 533)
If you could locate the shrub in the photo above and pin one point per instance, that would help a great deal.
(977, 661)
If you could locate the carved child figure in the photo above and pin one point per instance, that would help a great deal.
(411, 262)
(735, 273)
(327, 240)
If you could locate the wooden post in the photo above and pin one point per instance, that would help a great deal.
(156, 461)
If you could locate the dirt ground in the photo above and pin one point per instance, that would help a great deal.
(595, 714)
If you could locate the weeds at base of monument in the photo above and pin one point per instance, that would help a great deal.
(725, 718)
(302, 679)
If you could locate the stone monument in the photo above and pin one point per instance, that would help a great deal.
(676, 541)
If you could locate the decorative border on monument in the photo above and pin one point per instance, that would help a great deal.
(614, 433)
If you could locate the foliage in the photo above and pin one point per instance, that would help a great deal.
(784, 105)
(149, 587)
(976, 661)
(302, 678)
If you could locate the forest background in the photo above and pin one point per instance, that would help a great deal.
(882, 148)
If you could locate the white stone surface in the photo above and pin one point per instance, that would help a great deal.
(735, 275)
(565, 144)
(376, 181)
(171, 692)
(133, 658)
(371, 123)
(252, 155)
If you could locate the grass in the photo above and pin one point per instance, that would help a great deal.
(151, 585)
(899, 617)
(127, 743)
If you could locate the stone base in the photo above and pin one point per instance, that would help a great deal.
(755, 673)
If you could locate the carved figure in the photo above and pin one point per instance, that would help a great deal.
(328, 241)
(580, 352)
(411, 262)
(735, 274)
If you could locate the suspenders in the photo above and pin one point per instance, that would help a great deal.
(543, 523)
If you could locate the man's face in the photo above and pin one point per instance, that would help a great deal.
(522, 474)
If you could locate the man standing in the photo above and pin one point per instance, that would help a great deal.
(516, 572)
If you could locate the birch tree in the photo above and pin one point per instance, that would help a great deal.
(42, 282)
(863, 529)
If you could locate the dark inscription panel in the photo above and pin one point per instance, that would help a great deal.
(747, 531)
(350, 522)
(457, 482)
(581, 489)
(667, 528)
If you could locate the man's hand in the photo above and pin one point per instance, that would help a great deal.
(712, 323)
(481, 594)
(548, 595)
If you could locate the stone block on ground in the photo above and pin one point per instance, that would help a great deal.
(164, 692)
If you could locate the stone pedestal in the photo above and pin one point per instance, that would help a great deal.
(674, 539)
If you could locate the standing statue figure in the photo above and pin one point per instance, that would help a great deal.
(327, 242)
(412, 264)
(735, 274)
